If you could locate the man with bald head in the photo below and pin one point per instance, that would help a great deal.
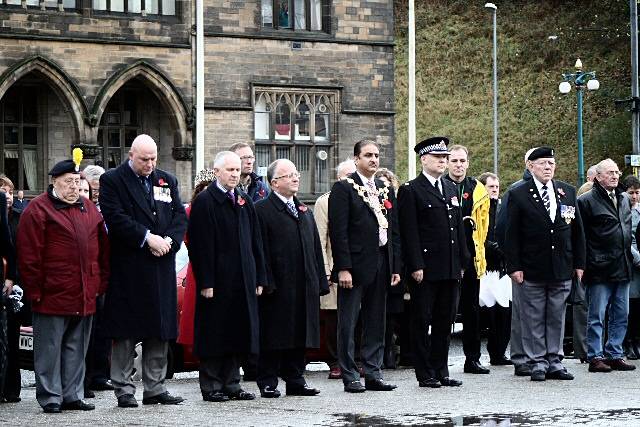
(225, 249)
(146, 222)
(606, 214)
(290, 305)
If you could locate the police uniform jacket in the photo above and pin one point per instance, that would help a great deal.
(431, 229)
(544, 250)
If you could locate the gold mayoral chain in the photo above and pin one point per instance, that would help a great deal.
(378, 208)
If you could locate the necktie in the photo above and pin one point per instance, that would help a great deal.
(144, 180)
(438, 186)
(375, 203)
(292, 208)
(231, 197)
(613, 198)
(545, 198)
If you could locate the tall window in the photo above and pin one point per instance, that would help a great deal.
(21, 123)
(297, 125)
(150, 7)
(298, 15)
(119, 126)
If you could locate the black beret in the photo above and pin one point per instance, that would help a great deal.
(434, 145)
(541, 153)
(65, 166)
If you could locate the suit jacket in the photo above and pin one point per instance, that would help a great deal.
(321, 215)
(431, 227)
(353, 232)
(141, 298)
(544, 250)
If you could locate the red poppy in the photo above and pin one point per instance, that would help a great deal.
(561, 191)
(465, 196)
(241, 201)
(302, 208)
(162, 182)
(261, 193)
(387, 204)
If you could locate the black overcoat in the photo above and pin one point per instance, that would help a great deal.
(432, 232)
(141, 298)
(353, 232)
(545, 251)
(290, 305)
(225, 249)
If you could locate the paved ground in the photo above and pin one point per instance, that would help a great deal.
(496, 399)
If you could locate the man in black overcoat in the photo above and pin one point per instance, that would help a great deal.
(146, 223)
(290, 305)
(544, 248)
(363, 229)
(225, 249)
(435, 253)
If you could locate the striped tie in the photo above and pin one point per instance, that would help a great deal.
(545, 198)
(292, 208)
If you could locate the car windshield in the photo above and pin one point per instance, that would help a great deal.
(182, 257)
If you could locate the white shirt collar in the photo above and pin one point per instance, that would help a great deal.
(221, 188)
(540, 184)
(284, 199)
(431, 179)
(365, 179)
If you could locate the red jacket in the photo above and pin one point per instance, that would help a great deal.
(63, 255)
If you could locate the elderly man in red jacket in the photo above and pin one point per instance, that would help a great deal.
(63, 263)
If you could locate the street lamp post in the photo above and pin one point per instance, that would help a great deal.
(495, 86)
(580, 79)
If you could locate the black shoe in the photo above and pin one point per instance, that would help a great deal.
(379, 384)
(51, 408)
(450, 382)
(163, 399)
(215, 396)
(101, 386)
(302, 391)
(562, 374)
(538, 375)
(270, 392)
(501, 361)
(429, 382)
(127, 401)
(522, 371)
(11, 399)
(241, 395)
(88, 394)
(354, 387)
(77, 405)
(474, 367)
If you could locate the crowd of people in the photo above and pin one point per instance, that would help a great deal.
(94, 259)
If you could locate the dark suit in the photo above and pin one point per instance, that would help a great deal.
(547, 252)
(140, 303)
(353, 232)
(433, 240)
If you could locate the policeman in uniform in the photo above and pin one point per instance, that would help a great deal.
(435, 252)
(544, 248)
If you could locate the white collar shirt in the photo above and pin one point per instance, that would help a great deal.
(553, 202)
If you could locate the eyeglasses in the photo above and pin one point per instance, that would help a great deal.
(289, 176)
(71, 181)
(612, 173)
(248, 158)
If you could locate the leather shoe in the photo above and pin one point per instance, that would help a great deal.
(215, 396)
(241, 395)
(305, 390)
(562, 374)
(522, 371)
(335, 373)
(474, 367)
(101, 386)
(77, 405)
(538, 375)
(597, 365)
(163, 399)
(127, 401)
(429, 382)
(619, 365)
(88, 394)
(378, 384)
(354, 387)
(51, 408)
(270, 392)
(450, 382)
(501, 361)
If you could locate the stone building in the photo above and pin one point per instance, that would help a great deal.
(302, 79)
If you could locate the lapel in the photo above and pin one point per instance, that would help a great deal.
(358, 181)
(429, 188)
(605, 196)
(281, 206)
(160, 213)
(536, 200)
(132, 183)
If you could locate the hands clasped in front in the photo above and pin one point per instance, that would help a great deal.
(346, 281)
(208, 292)
(158, 245)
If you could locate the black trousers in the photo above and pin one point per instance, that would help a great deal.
(433, 303)
(369, 301)
(10, 381)
(287, 364)
(330, 318)
(99, 352)
(470, 308)
(220, 374)
(499, 330)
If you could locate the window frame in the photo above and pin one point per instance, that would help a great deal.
(325, 17)
(104, 127)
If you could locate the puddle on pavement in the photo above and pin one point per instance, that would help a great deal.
(579, 416)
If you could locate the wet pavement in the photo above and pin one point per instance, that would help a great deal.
(497, 399)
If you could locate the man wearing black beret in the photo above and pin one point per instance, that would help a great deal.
(434, 253)
(544, 247)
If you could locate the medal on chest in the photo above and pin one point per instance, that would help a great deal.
(568, 213)
(377, 201)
